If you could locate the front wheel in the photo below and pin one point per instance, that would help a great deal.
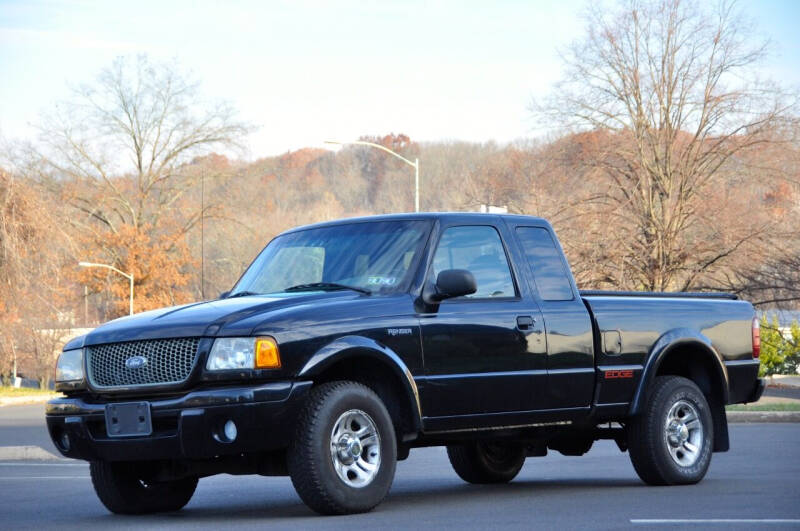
(343, 456)
(125, 488)
(671, 441)
(487, 462)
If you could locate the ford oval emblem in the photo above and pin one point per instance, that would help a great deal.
(135, 362)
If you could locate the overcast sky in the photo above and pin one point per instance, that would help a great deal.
(305, 71)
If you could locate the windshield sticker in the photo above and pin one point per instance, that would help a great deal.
(381, 281)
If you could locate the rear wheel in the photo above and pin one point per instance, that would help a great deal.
(487, 462)
(342, 459)
(671, 441)
(123, 488)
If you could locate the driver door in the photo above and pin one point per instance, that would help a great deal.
(484, 353)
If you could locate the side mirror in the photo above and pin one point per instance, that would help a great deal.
(454, 283)
(224, 294)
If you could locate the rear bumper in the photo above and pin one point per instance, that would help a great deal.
(761, 384)
(743, 381)
(187, 427)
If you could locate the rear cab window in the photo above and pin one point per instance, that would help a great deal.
(546, 264)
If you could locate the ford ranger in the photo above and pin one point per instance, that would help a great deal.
(346, 344)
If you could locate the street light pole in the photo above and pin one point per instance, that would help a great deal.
(416, 185)
(14, 351)
(129, 276)
(414, 164)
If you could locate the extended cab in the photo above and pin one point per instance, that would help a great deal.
(346, 344)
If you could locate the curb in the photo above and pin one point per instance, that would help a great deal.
(783, 381)
(763, 416)
(27, 453)
(22, 400)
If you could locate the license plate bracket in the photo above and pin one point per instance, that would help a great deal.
(128, 419)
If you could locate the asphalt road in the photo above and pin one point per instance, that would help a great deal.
(783, 392)
(24, 426)
(757, 480)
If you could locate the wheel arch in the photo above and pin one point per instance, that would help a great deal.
(364, 360)
(687, 353)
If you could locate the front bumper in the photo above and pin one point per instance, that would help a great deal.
(187, 427)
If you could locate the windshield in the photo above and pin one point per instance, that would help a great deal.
(374, 256)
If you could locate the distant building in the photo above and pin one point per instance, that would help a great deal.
(492, 209)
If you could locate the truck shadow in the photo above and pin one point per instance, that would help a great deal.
(422, 494)
(410, 494)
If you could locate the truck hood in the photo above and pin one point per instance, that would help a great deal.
(225, 317)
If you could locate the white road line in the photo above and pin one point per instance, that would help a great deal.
(43, 477)
(45, 464)
(24, 453)
(651, 521)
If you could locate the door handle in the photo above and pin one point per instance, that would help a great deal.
(525, 322)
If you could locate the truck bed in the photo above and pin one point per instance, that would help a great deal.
(633, 329)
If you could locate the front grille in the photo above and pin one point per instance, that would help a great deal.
(168, 361)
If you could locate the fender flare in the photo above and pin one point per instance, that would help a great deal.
(678, 337)
(351, 346)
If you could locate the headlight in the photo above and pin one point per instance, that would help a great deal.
(69, 370)
(232, 353)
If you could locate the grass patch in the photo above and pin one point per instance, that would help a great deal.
(6, 391)
(780, 406)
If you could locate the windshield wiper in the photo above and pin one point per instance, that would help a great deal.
(242, 294)
(327, 285)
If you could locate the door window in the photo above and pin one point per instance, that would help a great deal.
(479, 250)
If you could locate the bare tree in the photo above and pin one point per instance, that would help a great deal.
(672, 84)
(143, 121)
(128, 140)
(775, 281)
(31, 287)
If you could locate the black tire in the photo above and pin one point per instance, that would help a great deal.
(311, 460)
(487, 462)
(122, 489)
(657, 447)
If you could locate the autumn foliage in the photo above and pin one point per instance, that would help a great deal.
(648, 187)
(162, 267)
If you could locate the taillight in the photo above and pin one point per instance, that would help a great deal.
(756, 338)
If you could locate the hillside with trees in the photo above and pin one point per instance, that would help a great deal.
(661, 172)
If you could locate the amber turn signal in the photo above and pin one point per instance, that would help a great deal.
(267, 355)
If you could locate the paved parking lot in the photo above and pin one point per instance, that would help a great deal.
(755, 485)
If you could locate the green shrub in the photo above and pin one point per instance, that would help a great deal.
(779, 354)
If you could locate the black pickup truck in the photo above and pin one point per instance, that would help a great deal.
(346, 344)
